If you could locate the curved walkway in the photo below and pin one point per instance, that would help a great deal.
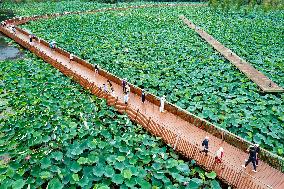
(184, 136)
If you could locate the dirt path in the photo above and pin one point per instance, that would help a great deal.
(234, 157)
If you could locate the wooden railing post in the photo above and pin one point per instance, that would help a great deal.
(177, 139)
(136, 115)
(148, 121)
(116, 101)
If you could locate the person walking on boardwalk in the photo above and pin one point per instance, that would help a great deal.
(31, 36)
(109, 85)
(257, 150)
(127, 88)
(143, 96)
(162, 103)
(52, 45)
(3, 23)
(71, 58)
(219, 155)
(126, 98)
(13, 28)
(124, 83)
(252, 158)
(205, 145)
(96, 69)
(105, 88)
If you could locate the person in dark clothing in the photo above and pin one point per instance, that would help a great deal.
(143, 96)
(31, 36)
(124, 83)
(257, 150)
(96, 69)
(252, 158)
(205, 144)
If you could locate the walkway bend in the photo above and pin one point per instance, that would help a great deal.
(264, 83)
(182, 131)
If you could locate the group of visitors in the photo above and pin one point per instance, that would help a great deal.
(108, 88)
(11, 27)
(3, 24)
(32, 37)
(218, 154)
(253, 151)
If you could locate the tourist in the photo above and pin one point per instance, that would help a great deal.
(71, 58)
(105, 88)
(124, 83)
(52, 45)
(162, 101)
(31, 36)
(219, 155)
(126, 97)
(252, 158)
(205, 144)
(112, 91)
(143, 96)
(3, 23)
(109, 85)
(257, 150)
(96, 69)
(13, 28)
(127, 88)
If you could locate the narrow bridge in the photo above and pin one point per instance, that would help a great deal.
(177, 127)
(263, 82)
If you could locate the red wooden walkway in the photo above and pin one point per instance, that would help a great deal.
(265, 84)
(173, 130)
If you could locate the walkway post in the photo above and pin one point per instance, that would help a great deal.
(116, 101)
(136, 115)
(177, 138)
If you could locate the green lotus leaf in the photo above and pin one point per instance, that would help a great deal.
(57, 155)
(45, 175)
(117, 179)
(18, 184)
(109, 171)
(83, 160)
(194, 183)
(75, 167)
(127, 174)
(215, 185)
(75, 177)
(211, 175)
(98, 170)
(55, 184)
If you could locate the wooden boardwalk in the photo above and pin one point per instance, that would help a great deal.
(264, 83)
(183, 135)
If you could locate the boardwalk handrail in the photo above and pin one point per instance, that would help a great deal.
(265, 155)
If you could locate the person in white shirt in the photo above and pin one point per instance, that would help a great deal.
(126, 98)
(162, 101)
(71, 58)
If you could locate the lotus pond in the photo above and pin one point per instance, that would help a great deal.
(54, 133)
(154, 49)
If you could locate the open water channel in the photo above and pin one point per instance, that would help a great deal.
(8, 52)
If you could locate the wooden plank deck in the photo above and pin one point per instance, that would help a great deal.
(264, 83)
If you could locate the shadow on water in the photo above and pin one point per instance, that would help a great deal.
(6, 51)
